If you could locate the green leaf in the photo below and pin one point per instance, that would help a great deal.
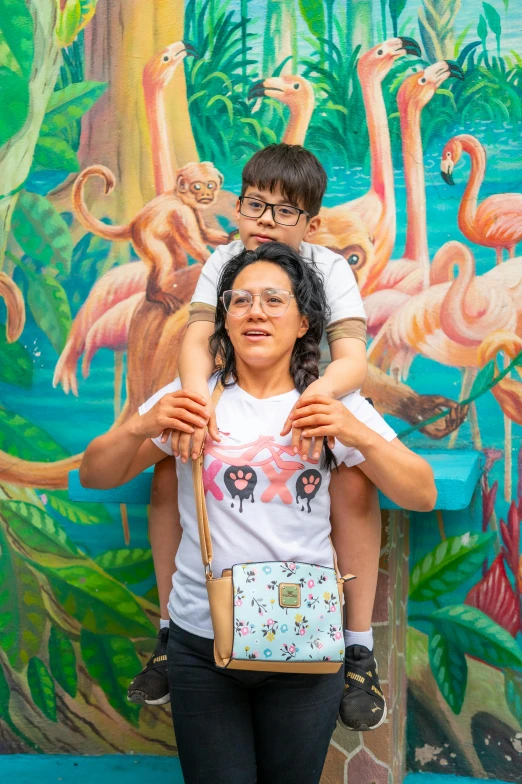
(36, 532)
(5, 695)
(474, 633)
(21, 438)
(450, 564)
(41, 686)
(513, 692)
(70, 104)
(62, 661)
(55, 154)
(48, 303)
(41, 231)
(80, 513)
(493, 18)
(127, 566)
(99, 603)
(14, 94)
(22, 613)
(396, 9)
(450, 670)
(16, 365)
(112, 662)
(460, 41)
(16, 25)
(483, 380)
(152, 595)
(482, 30)
(312, 12)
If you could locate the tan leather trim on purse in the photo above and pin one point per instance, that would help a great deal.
(312, 668)
(221, 600)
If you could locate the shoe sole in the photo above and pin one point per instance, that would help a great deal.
(365, 729)
(141, 701)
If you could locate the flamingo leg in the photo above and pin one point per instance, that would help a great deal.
(498, 252)
(508, 467)
(125, 523)
(511, 251)
(118, 381)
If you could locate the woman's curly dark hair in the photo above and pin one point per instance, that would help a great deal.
(308, 290)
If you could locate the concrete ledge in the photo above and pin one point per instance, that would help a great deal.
(456, 475)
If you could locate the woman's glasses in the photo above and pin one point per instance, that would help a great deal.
(284, 214)
(273, 302)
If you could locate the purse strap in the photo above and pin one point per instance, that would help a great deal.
(205, 540)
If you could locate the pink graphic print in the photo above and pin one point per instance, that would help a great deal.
(209, 475)
(307, 486)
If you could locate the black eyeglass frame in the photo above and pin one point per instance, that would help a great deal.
(273, 208)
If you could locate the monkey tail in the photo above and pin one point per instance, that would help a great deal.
(82, 213)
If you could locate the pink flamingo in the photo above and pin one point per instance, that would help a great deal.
(412, 273)
(497, 221)
(297, 93)
(448, 321)
(377, 207)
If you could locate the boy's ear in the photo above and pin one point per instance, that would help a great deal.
(238, 205)
(313, 227)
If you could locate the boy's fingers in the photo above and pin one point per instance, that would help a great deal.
(331, 442)
(174, 442)
(184, 447)
(296, 439)
(165, 436)
(197, 442)
(213, 428)
(286, 427)
(306, 444)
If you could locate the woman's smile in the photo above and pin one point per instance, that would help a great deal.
(256, 334)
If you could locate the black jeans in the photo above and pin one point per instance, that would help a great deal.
(241, 727)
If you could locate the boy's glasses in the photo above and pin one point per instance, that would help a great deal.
(273, 302)
(284, 214)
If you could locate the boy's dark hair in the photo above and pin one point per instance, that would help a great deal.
(308, 290)
(296, 171)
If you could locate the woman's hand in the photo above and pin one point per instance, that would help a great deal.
(182, 411)
(317, 416)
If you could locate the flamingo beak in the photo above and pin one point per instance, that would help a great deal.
(446, 171)
(190, 50)
(256, 91)
(410, 45)
(455, 70)
(447, 177)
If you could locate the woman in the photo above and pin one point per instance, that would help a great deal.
(264, 503)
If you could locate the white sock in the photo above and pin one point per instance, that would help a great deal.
(164, 624)
(359, 638)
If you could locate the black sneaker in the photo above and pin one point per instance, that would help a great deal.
(151, 685)
(363, 706)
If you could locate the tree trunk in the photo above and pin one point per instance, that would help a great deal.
(120, 40)
(359, 24)
(16, 155)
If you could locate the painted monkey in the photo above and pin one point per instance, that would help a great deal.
(166, 230)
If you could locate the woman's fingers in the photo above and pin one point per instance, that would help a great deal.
(197, 442)
(165, 435)
(315, 420)
(213, 428)
(186, 416)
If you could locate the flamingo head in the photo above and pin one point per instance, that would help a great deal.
(289, 89)
(451, 155)
(418, 89)
(377, 62)
(161, 68)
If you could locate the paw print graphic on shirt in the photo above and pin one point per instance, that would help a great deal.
(241, 482)
(307, 486)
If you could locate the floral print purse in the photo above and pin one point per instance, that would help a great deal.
(278, 616)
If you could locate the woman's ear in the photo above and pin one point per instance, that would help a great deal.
(303, 328)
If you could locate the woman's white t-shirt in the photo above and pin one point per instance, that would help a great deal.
(264, 503)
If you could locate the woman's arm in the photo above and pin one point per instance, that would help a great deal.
(403, 476)
(119, 455)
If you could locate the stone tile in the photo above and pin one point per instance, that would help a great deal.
(378, 742)
(380, 640)
(347, 740)
(362, 769)
(380, 608)
(383, 562)
(333, 771)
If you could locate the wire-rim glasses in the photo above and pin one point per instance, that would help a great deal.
(273, 302)
(284, 214)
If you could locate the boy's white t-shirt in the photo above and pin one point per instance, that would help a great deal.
(344, 299)
(264, 503)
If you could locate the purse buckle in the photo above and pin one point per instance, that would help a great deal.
(289, 595)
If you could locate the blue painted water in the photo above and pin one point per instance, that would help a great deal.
(128, 769)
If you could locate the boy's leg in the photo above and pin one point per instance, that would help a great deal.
(151, 685)
(356, 534)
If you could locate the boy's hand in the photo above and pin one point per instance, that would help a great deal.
(319, 416)
(302, 445)
(187, 445)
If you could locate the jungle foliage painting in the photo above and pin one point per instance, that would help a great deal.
(118, 116)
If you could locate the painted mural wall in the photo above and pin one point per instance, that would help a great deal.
(107, 109)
